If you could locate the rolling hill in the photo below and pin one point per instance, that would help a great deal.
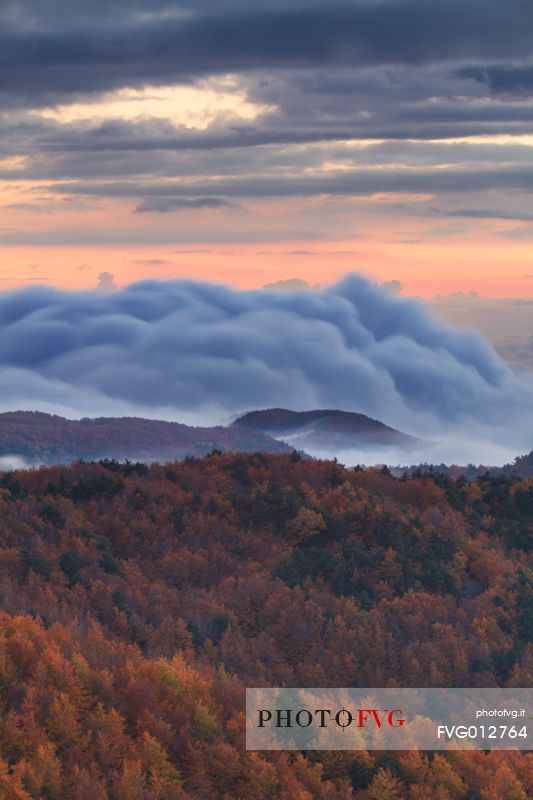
(325, 428)
(50, 439)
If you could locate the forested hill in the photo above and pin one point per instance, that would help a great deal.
(325, 428)
(138, 602)
(51, 439)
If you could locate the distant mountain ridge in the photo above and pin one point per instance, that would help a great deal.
(324, 428)
(50, 439)
(39, 438)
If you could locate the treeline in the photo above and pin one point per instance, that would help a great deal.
(521, 467)
(138, 602)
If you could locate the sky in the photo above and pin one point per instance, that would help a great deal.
(246, 143)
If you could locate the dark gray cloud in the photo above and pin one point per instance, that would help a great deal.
(159, 158)
(183, 345)
(502, 78)
(487, 213)
(342, 182)
(164, 205)
(44, 52)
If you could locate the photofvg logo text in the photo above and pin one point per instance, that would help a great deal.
(388, 719)
(304, 718)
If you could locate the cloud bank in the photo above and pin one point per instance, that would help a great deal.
(170, 41)
(182, 348)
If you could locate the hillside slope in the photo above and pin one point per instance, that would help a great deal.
(51, 439)
(138, 602)
(324, 428)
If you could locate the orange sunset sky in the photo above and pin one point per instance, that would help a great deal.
(425, 270)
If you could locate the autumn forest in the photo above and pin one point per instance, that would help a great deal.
(139, 601)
